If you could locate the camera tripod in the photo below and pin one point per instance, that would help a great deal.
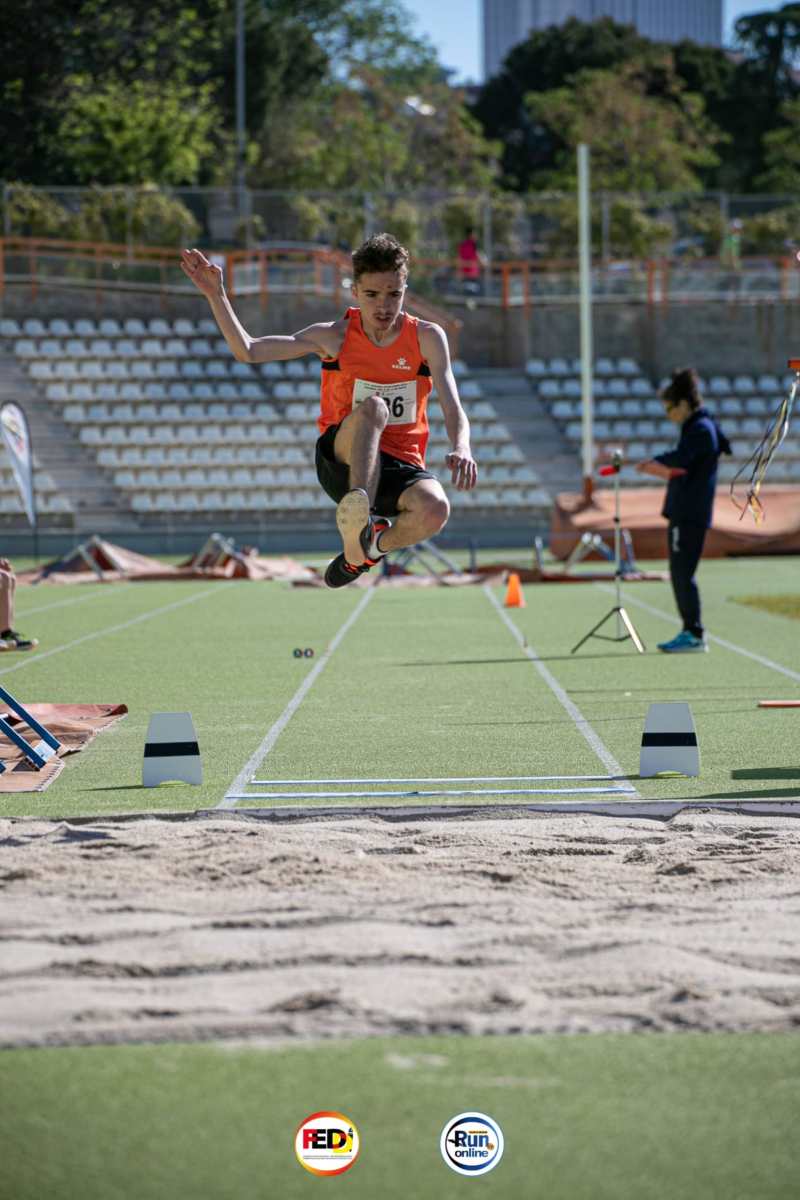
(625, 626)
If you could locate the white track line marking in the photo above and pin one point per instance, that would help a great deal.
(234, 792)
(759, 658)
(614, 791)
(442, 779)
(33, 657)
(28, 612)
(582, 725)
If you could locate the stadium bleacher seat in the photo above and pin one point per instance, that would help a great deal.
(153, 401)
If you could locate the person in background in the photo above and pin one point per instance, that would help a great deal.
(469, 262)
(691, 472)
(9, 638)
(731, 253)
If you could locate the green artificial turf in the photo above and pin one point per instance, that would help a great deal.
(586, 1117)
(425, 683)
(782, 606)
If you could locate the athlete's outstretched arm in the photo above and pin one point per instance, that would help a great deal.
(207, 278)
(463, 467)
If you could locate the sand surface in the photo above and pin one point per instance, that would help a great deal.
(228, 927)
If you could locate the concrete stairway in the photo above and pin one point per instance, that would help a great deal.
(532, 427)
(98, 505)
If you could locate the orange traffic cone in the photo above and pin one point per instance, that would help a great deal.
(514, 597)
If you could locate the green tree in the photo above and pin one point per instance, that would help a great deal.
(371, 134)
(631, 231)
(542, 63)
(712, 73)
(639, 142)
(781, 151)
(129, 133)
(765, 81)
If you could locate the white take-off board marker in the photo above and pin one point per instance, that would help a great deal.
(669, 741)
(171, 751)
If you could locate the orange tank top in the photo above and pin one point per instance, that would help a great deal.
(397, 372)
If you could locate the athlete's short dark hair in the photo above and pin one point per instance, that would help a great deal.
(379, 253)
(684, 385)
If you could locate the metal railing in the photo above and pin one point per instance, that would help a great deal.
(437, 283)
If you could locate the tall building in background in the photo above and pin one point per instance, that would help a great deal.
(507, 22)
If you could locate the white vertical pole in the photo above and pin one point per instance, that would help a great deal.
(241, 133)
(587, 349)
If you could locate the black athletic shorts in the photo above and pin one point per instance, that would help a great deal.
(395, 475)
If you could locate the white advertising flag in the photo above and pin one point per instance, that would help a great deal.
(17, 438)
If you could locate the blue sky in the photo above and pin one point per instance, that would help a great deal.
(454, 26)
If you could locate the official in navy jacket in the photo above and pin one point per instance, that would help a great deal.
(691, 472)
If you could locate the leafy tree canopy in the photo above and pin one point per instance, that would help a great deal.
(294, 50)
(742, 93)
(639, 142)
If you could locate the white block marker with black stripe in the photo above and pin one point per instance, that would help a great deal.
(669, 741)
(171, 750)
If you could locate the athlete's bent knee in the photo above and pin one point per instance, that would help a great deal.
(434, 514)
(374, 410)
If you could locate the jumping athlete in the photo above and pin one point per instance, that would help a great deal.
(379, 366)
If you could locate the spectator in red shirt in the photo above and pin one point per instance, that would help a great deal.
(469, 262)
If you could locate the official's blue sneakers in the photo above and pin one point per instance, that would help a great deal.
(685, 643)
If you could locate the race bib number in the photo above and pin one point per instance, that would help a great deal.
(400, 399)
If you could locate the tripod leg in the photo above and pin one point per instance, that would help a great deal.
(637, 641)
(593, 630)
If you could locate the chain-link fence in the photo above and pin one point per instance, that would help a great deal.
(533, 227)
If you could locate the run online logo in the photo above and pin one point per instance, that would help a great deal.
(471, 1144)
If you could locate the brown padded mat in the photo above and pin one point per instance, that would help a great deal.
(113, 563)
(74, 725)
(640, 513)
